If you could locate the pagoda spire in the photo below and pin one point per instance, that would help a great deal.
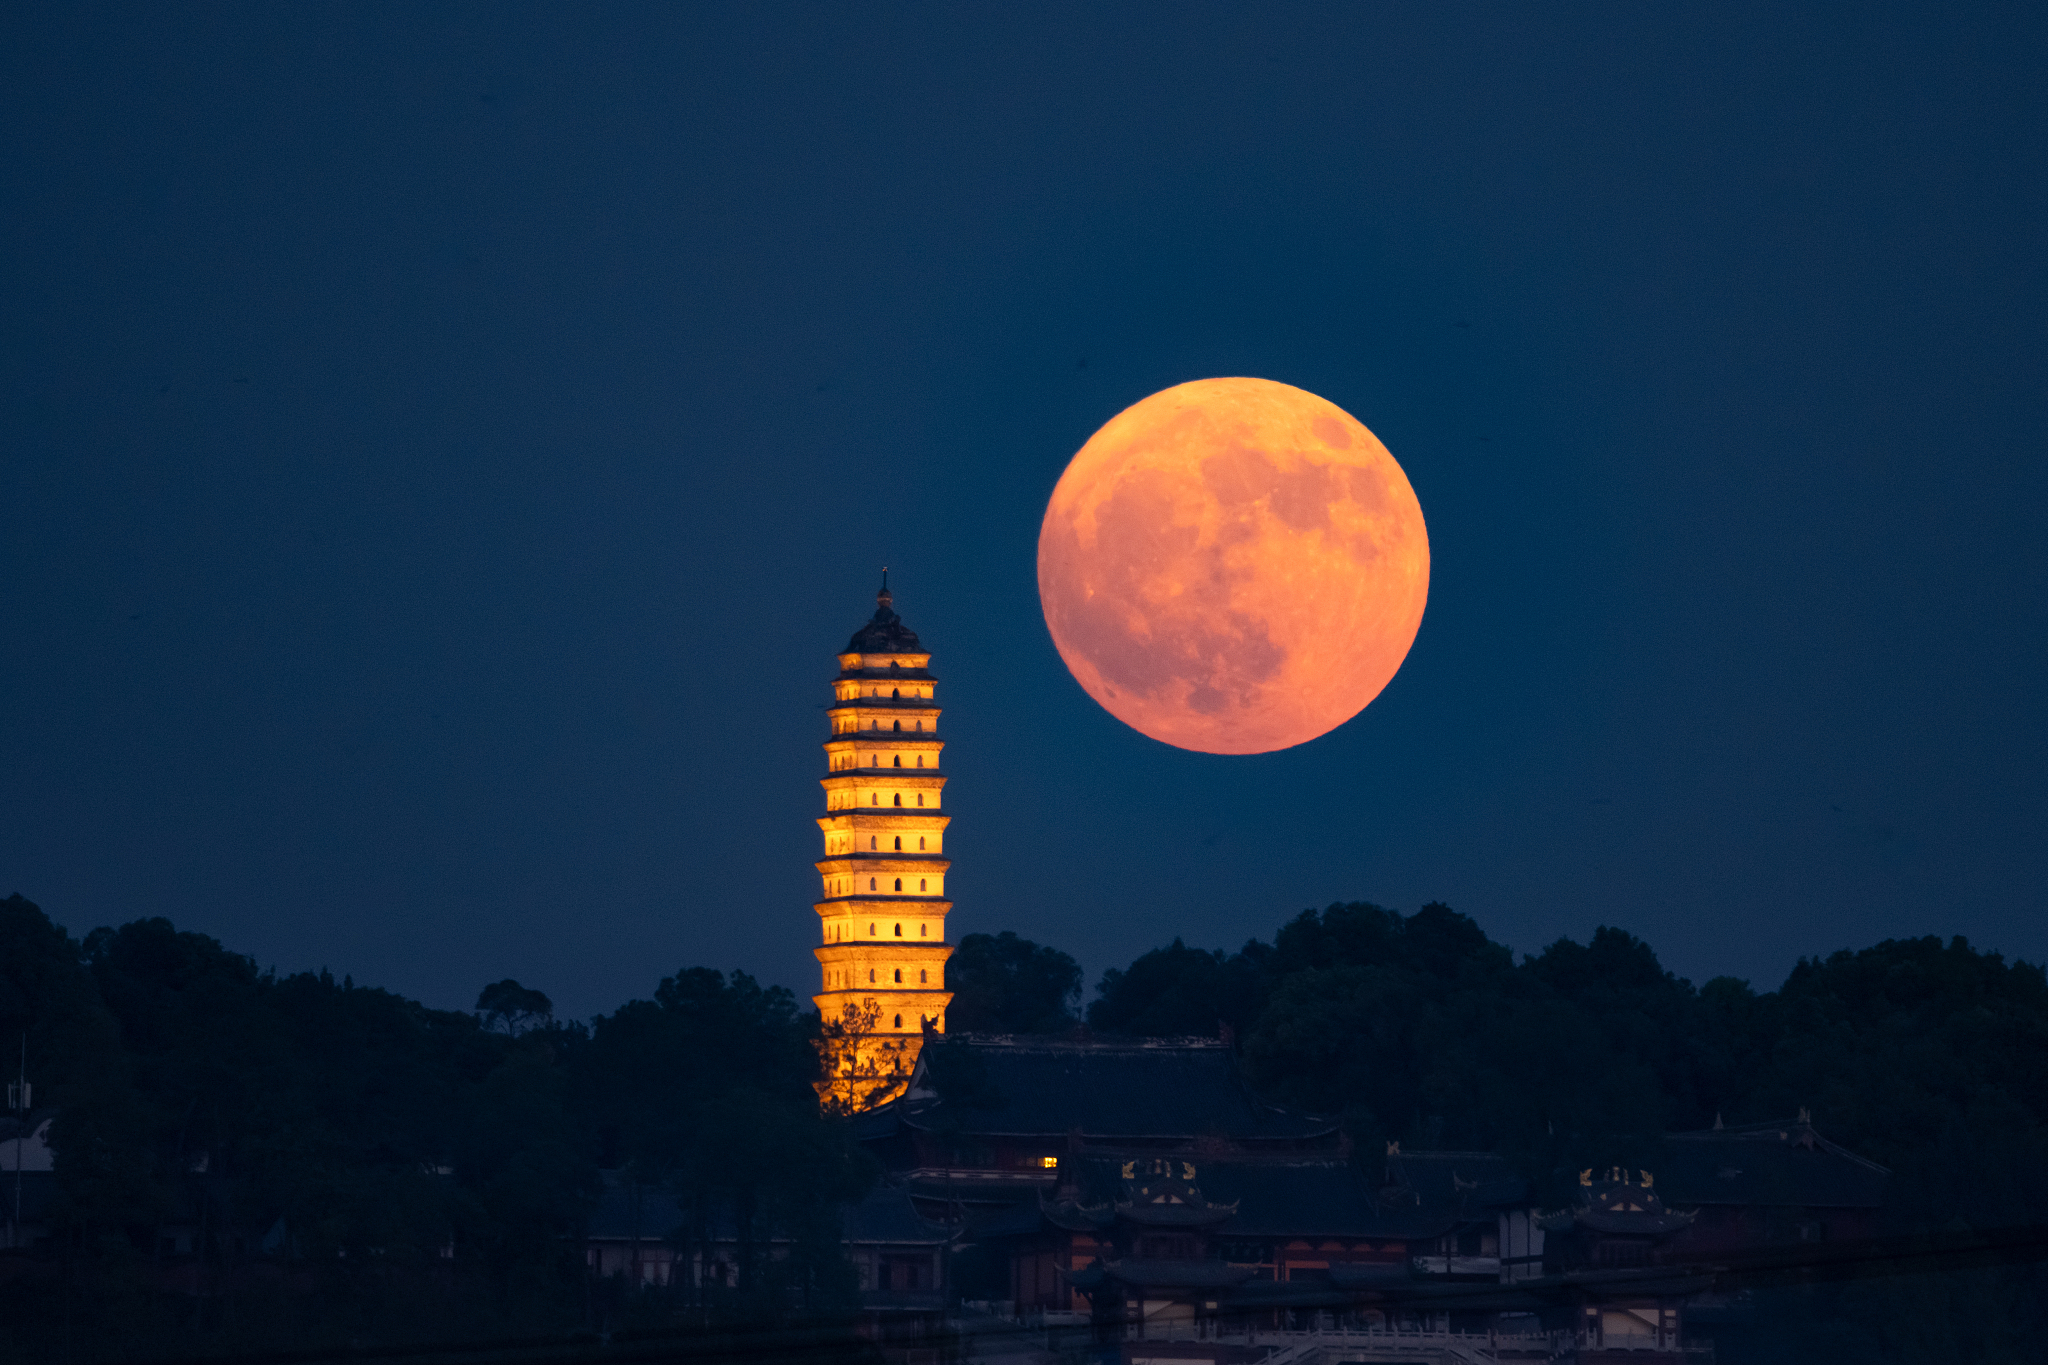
(882, 919)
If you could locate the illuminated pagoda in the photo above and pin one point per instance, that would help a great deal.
(882, 920)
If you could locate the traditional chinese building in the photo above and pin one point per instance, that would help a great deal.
(1141, 1182)
(1764, 1184)
(882, 916)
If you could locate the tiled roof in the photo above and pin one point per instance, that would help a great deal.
(887, 1215)
(1457, 1180)
(1783, 1164)
(1313, 1199)
(1267, 1198)
(628, 1212)
(885, 632)
(1151, 1088)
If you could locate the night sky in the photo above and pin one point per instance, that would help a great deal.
(442, 449)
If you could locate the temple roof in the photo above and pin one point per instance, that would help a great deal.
(1314, 1199)
(1184, 1088)
(1621, 1207)
(627, 1211)
(1455, 1180)
(887, 1216)
(1228, 1198)
(885, 632)
(1784, 1163)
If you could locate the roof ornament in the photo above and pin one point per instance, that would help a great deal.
(883, 598)
(1805, 1114)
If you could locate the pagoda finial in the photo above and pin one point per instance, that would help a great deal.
(883, 598)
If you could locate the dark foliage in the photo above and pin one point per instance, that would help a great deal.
(508, 1005)
(1005, 984)
(359, 1168)
(342, 1165)
(1929, 1057)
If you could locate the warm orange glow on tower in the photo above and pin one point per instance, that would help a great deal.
(883, 916)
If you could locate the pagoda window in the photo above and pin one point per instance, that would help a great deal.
(874, 800)
(920, 760)
(871, 976)
(899, 888)
(920, 841)
(899, 1021)
(899, 975)
(921, 929)
(899, 725)
(899, 799)
(920, 978)
(920, 798)
(871, 931)
(899, 841)
(920, 883)
(899, 928)
(899, 760)
(871, 841)
(898, 692)
(871, 883)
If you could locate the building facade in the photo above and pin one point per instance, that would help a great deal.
(882, 913)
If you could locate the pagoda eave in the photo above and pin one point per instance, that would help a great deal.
(880, 903)
(890, 861)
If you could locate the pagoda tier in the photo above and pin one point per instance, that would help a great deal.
(882, 916)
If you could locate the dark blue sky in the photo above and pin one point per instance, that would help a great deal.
(443, 448)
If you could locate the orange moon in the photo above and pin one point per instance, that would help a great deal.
(1233, 566)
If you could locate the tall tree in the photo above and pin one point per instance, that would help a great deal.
(1005, 984)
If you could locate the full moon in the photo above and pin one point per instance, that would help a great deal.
(1233, 566)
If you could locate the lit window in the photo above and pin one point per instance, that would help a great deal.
(1050, 1163)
